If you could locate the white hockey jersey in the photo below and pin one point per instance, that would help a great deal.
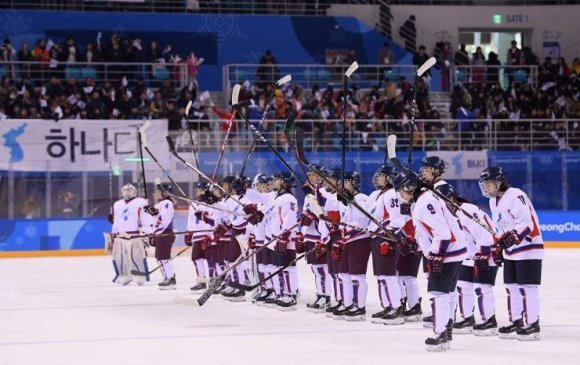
(354, 217)
(514, 211)
(310, 232)
(388, 212)
(195, 225)
(157, 224)
(332, 208)
(127, 215)
(284, 216)
(437, 229)
(477, 239)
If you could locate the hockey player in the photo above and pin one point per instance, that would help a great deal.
(308, 238)
(355, 247)
(282, 218)
(330, 233)
(257, 236)
(128, 253)
(478, 272)
(440, 237)
(384, 205)
(160, 225)
(203, 257)
(522, 247)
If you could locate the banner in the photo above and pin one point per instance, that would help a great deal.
(460, 165)
(76, 145)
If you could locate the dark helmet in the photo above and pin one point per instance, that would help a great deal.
(407, 181)
(331, 173)
(436, 163)
(354, 177)
(447, 191)
(260, 179)
(202, 185)
(165, 189)
(239, 186)
(229, 179)
(247, 181)
(286, 177)
(382, 170)
(497, 175)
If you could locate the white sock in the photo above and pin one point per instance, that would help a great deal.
(514, 301)
(412, 288)
(466, 298)
(346, 288)
(320, 279)
(440, 305)
(359, 290)
(278, 283)
(531, 302)
(200, 267)
(167, 268)
(336, 287)
(389, 291)
(485, 300)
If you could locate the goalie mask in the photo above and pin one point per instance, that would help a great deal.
(128, 192)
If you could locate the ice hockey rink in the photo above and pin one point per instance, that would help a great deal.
(65, 310)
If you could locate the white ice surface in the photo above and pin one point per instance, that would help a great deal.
(66, 311)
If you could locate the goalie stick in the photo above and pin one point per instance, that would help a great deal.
(391, 147)
(218, 281)
(299, 142)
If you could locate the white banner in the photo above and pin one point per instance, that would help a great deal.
(462, 165)
(77, 145)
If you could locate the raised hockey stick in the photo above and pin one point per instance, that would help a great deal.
(190, 201)
(193, 149)
(218, 281)
(235, 97)
(352, 68)
(391, 147)
(141, 273)
(248, 157)
(424, 67)
(299, 141)
(140, 139)
(198, 171)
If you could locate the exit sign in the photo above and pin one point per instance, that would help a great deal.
(496, 19)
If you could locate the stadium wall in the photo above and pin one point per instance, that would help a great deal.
(548, 24)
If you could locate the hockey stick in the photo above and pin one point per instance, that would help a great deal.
(141, 273)
(302, 157)
(254, 286)
(111, 212)
(198, 171)
(235, 96)
(424, 67)
(139, 138)
(161, 234)
(352, 68)
(218, 281)
(248, 157)
(391, 146)
(193, 149)
(190, 201)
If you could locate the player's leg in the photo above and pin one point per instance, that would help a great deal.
(465, 300)
(486, 302)
(515, 303)
(529, 277)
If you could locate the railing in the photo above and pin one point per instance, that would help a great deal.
(242, 6)
(39, 73)
(490, 75)
(307, 76)
(371, 135)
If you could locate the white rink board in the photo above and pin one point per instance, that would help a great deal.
(66, 311)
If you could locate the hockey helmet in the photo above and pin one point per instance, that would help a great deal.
(494, 174)
(128, 191)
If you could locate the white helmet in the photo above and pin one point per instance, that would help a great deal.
(128, 192)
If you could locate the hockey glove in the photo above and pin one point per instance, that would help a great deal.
(497, 255)
(435, 264)
(200, 215)
(335, 235)
(319, 249)
(256, 217)
(252, 241)
(481, 262)
(299, 242)
(307, 218)
(508, 239)
(238, 231)
(408, 245)
(384, 248)
(250, 209)
(283, 241)
(188, 238)
(205, 243)
(337, 248)
(220, 230)
(150, 209)
(406, 209)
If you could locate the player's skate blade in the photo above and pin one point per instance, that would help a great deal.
(465, 326)
(510, 332)
(437, 343)
(428, 322)
(486, 329)
(529, 333)
(394, 317)
(356, 315)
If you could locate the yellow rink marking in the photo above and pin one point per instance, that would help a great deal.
(101, 252)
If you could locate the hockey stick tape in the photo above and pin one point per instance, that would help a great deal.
(143, 132)
(427, 65)
(351, 69)
(187, 108)
(236, 94)
(284, 80)
(391, 146)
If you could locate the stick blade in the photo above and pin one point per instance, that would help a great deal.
(391, 146)
(186, 300)
(427, 65)
(351, 69)
(171, 145)
(284, 80)
(236, 94)
(243, 287)
(138, 273)
(299, 143)
(188, 108)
